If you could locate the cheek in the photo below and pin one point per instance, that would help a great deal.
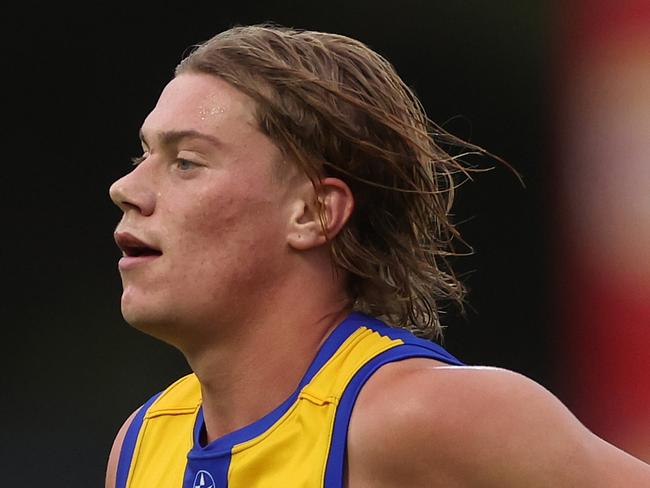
(231, 227)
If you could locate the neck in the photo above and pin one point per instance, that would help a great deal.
(256, 368)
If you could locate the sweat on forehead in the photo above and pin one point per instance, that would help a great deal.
(208, 106)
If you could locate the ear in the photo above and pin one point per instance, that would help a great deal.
(319, 215)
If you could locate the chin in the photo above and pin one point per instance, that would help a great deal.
(151, 321)
(140, 307)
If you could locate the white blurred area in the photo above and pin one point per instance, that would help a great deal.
(607, 170)
(603, 272)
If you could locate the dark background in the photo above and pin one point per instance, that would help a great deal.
(81, 84)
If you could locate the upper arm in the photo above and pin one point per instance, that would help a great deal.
(114, 456)
(476, 426)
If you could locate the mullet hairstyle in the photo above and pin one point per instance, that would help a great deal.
(336, 108)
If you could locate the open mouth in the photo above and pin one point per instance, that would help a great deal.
(133, 247)
(140, 251)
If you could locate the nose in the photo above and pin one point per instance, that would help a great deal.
(134, 192)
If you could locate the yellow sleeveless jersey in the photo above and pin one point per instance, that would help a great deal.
(301, 443)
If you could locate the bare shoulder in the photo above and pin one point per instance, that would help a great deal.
(113, 458)
(420, 423)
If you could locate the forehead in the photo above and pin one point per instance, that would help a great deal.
(204, 103)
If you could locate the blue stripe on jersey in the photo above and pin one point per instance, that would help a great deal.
(128, 445)
(415, 348)
(213, 469)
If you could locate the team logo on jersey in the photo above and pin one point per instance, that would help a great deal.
(203, 479)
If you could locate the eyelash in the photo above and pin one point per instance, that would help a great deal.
(138, 159)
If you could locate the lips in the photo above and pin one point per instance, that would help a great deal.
(134, 250)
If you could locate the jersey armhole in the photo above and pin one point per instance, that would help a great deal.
(129, 444)
(338, 446)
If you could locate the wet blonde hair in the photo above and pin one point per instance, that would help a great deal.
(337, 108)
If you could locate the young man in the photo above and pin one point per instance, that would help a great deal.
(291, 189)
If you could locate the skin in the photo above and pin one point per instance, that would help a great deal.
(251, 242)
(228, 227)
(421, 424)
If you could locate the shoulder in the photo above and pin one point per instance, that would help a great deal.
(421, 423)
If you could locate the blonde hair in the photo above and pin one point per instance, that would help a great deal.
(335, 107)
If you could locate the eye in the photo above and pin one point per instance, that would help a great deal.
(184, 164)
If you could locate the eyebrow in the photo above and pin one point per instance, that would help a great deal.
(171, 137)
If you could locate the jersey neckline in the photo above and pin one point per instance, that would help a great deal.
(223, 445)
